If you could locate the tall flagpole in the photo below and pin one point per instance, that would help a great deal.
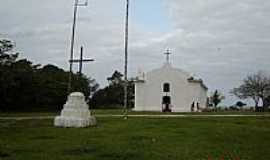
(126, 62)
(72, 45)
(76, 4)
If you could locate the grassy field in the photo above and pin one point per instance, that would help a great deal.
(138, 138)
(119, 112)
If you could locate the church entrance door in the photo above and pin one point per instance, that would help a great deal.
(166, 104)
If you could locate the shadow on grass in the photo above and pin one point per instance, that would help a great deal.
(120, 156)
(4, 154)
(43, 138)
(80, 150)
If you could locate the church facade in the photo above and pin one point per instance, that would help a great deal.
(169, 89)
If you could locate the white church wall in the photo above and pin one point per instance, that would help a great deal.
(203, 97)
(180, 93)
(148, 95)
(199, 94)
(139, 94)
(153, 90)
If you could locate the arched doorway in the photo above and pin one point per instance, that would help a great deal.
(166, 104)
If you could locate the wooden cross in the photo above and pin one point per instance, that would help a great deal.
(81, 61)
(167, 53)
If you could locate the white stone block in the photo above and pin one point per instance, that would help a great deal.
(75, 113)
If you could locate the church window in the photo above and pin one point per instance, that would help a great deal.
(166, 87)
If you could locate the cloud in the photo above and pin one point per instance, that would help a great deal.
(220, 41)
(223, 40)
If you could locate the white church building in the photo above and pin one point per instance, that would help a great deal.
(169, 89)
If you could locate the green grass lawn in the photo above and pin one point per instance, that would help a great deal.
(120, 112)
(245, 138)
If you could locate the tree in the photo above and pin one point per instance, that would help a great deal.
(216, 98)
(52, 82)
(25, 86)
(256, 87)
(84, 84)
(116, 78)
(16, 84)
(6, 55)
(112, 96)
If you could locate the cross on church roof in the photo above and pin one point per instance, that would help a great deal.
(167, 53)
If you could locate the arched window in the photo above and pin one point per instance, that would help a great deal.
(166, 87)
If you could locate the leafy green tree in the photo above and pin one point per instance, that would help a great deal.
(216, 98)
(16, 83)
(116, 79)
(6, 54)
(28, 87)
(112, 96)
(84, 84)
(53, 84)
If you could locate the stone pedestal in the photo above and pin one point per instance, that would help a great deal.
(75, 113)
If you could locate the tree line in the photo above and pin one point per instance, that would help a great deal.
(112, 96)
(25, 86)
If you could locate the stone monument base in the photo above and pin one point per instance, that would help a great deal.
(75, 113)
(74, 122)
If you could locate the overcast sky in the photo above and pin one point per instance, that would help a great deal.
(220, 41)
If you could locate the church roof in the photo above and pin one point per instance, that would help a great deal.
(168, 66)
(192, 80)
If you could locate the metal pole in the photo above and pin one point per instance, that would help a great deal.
(81, 61)
(126, 63)
(72, 45)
